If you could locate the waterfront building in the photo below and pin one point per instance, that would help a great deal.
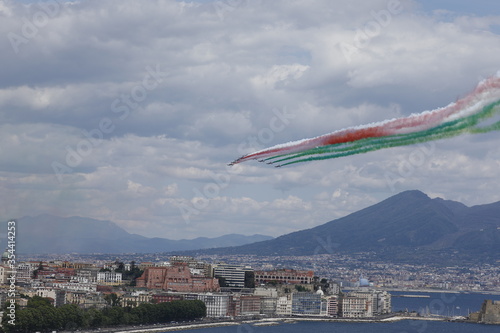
(268, 305)
(284, 305)
(332, 309)
(217, 304)
(250, 305)
(306, 303)
(380, 300)
(234, 305)
(356, 306)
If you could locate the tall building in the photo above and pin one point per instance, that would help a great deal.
(380, 300)
(306, 303)
(284, 306)
(332, 306)
(250, 305)
(356, 307)
(234, 275)
(268, 305)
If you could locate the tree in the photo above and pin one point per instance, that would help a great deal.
(38, 301)
(300, 288)
(112, 299)
(35, 272)
(93, 318)
(121, 267)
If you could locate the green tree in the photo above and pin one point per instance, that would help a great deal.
(300, 288)
(37, 302)
(73, 316)
(93, 318)
(112, 299)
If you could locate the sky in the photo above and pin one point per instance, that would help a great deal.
(129, 111)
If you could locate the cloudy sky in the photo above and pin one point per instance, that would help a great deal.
(129, 111)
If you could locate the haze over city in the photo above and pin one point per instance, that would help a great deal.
(130, 111)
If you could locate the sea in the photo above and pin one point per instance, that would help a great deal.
(439, 304)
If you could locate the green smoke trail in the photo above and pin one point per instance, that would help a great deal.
(445, 130)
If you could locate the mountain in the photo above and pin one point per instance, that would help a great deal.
(52, 234)
(405, 226)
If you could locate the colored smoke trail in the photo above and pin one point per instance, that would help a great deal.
(464, 116)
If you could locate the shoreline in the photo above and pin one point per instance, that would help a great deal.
(267, 322)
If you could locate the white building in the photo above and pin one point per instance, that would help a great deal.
(357, 307)
(76, 286)
(234, 275)
(217, 304)
(284, 306)
(111, 278)
(5, 272)
(24, 271)
(380, 300)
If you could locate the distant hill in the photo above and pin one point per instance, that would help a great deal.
(52, 234)
(408, 226)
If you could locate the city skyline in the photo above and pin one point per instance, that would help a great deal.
(130, 112)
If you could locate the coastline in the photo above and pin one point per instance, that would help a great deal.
(267, 322)
(174, 328)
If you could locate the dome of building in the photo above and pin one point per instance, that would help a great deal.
(364, 283)
(5, 256)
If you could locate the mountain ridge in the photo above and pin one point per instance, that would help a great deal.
(403, 225)
(45, 233)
